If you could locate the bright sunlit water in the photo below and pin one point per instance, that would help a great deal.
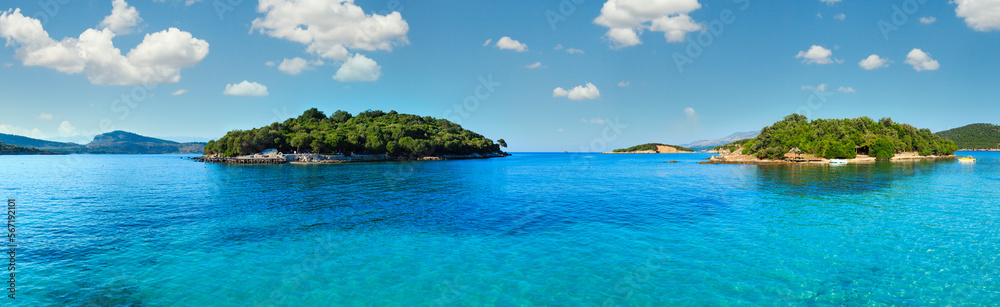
(526, 230)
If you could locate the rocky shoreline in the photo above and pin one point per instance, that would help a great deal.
(324, 158)
(726, 157)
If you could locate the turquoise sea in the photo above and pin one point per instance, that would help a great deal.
(532, 229)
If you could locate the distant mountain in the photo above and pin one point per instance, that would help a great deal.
(24, 141)
(115, 142)
(974, 136)
(706, 145)
(131, 143)
(7, 149)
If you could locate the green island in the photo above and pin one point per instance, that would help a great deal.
(974, 137)
(8, 149)
(653, 148)
(796, 139)
(342, 137)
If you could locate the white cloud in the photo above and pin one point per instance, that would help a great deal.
(179, 92)
(595, 121)
(535, 65)
(981, 15)
(819, 15)
(873, 62)
(15, 130)
(487, 43)
(624, 84)
(574, 50)
(359, 69)
(123, 18)
(840, 16)
(45, 116)
(847, 89)
(830, 2)
(293, 66)
(626, 19)
(190, 2)
(510, 44)
(927, 20)
(8, 64)
(157, 59)
(557, 47)
(330, 28)
(821, 88)
(66, 130)
(269, 63)
(816, 55)
(246, 88)
(581, 92)
(560, 130)
(921, 60)
(689, 112)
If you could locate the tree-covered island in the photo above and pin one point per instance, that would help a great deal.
(391, 135)
(797, 139)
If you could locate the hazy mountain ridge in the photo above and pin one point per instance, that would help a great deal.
(115, 142)
(709, 144)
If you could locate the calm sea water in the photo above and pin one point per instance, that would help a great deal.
(527, 230)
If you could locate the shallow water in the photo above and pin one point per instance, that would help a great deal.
(530, 229)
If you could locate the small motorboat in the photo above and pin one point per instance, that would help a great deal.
(968, 159)
(838, 161)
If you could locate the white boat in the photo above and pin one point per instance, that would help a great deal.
(838, 161)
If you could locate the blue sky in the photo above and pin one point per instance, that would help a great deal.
(608, 74)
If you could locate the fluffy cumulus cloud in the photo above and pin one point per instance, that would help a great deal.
(873, 62)
(627, 19)
(821, 88)
(981, 15)
(927, 20)
(840, 16)
(246, 88)
(358, 69)
(157, 59)
(816, 55)
(123, 18)
(624, 84)
(488, 41)
(331, 29)
(295, 66)
(920, 60)
(66, 129)
(581, 92)
(508, 43)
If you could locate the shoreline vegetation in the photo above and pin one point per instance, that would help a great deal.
(651, 148)
(8, 149)
(371, 136)
(860, 140)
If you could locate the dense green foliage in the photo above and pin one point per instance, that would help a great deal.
(845, 138)
(732, 146)
(974, 136)
(370, 132)
(649, 146)
(7, 149)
